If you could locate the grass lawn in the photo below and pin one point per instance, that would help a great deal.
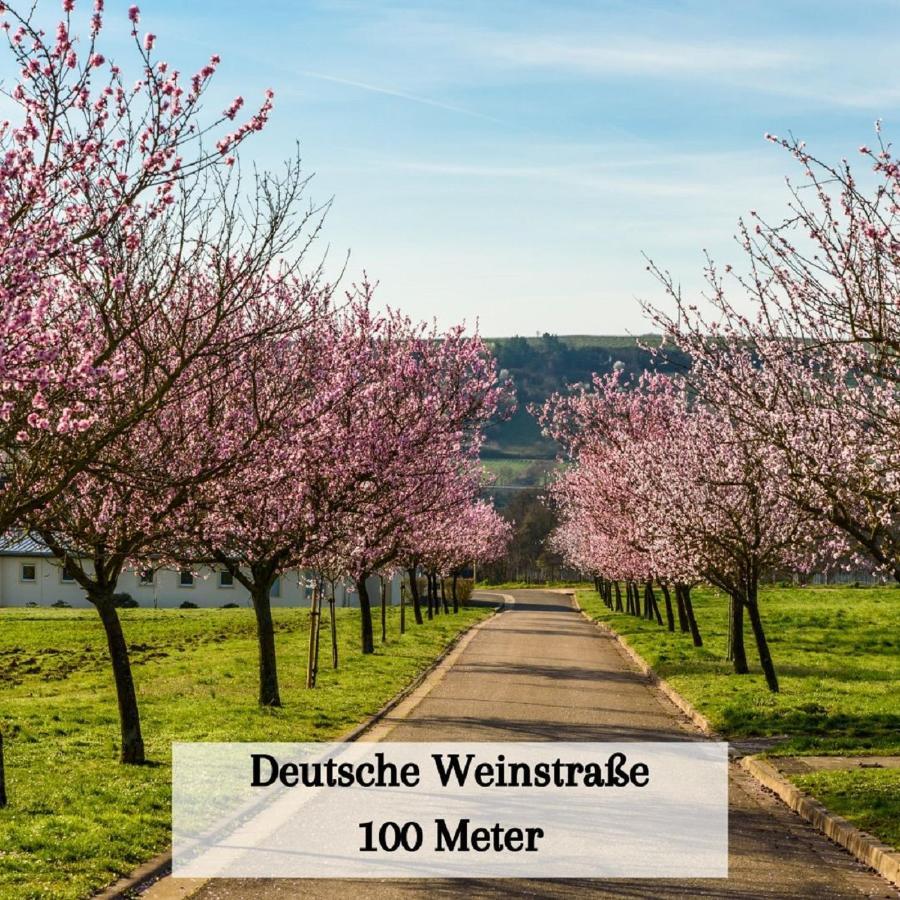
(867, 798)
(519, 472)
(837, 652)
(77, 819)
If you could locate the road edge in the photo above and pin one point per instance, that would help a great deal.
(881, 857)
(870, 851)
(661, 684)
(165, 887)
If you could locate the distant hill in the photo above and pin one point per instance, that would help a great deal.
(543, 365)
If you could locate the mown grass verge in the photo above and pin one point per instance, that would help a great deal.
(78, 819)
(837, 652)
(867, 798)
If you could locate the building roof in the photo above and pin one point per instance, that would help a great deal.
(20, 543)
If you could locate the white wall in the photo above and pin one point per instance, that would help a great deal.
(45, 590)
(166, 591)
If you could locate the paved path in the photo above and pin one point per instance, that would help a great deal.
(540, 671)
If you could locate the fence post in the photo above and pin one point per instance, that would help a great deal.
(3, 800)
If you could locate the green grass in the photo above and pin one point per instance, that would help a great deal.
(519, 473)
(837, 652)
(867, 798)
(77, 819)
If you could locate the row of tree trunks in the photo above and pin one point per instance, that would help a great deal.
(651, 607)
(611, 594)
(739, 600)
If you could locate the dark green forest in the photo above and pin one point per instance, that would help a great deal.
(520, 459)
(542, 365)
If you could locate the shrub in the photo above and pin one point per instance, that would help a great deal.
(124, 600)
(464, 588)
(188, 604)
(227, 606)
(60, 604)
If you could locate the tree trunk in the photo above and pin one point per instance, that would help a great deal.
(334, 646)
(670, 614)
(365, 615)
(383, 611)
(318, 632)
(618, 596)
(417, 600)
(762, 645)
(129, 715)
(651, 602)
(682, 609)
(430, 594)
(402, 609)
(312, 658)
(453, 591)
(3, 798)
(444, 595)
(737, 651)
(689, 612)
(265, 636)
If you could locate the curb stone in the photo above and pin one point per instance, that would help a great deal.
(154, 874)
(881, 857)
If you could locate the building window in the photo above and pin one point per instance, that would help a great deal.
(66, 576)
(28, 572)
(145, 577)
(226, 579)
(185, 578)
(275, 590)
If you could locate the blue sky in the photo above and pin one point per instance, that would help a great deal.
(511, 161)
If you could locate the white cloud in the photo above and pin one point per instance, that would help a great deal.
(626, 55)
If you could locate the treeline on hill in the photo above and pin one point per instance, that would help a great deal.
(541, 366)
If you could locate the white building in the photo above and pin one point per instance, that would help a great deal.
(31, 576)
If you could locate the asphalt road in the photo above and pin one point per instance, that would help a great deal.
(540, 671)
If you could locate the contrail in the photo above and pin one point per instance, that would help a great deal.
(374, 88)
